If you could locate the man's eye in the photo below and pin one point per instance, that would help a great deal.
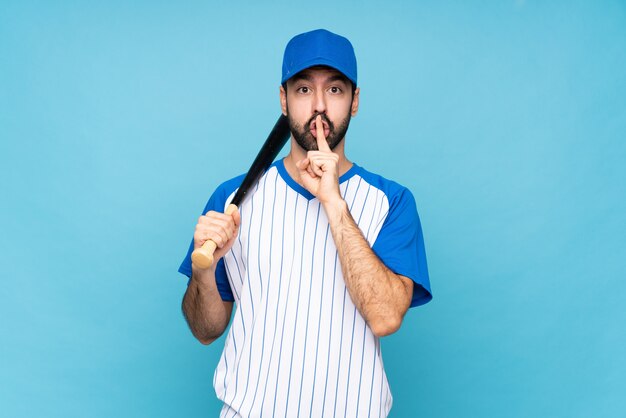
(335, 90)
(303, 89)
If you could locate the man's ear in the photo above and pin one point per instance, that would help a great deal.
(283, 100)
(355, 102)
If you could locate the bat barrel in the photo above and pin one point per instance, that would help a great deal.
(272, 146)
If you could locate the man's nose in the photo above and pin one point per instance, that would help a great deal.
(320, 102)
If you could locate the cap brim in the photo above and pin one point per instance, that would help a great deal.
(318, 61)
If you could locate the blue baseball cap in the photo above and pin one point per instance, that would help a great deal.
(319, 47)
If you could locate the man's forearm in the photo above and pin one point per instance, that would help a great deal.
(380, 295)
(206, 313)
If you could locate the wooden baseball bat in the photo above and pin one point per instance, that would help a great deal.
(203, 256)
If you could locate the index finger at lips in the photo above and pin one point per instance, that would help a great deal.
(322, 145)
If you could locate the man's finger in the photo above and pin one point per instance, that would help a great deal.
(302, 164)
(237, 218)
(322, 145)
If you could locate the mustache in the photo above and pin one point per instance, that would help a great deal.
(331, 126)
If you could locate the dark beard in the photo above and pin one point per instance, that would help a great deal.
(308, 142)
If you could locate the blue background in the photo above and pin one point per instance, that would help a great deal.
(506, 119)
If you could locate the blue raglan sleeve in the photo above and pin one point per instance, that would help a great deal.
(400, 245)
(216, 202)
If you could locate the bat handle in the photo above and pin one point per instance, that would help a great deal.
(203, 257)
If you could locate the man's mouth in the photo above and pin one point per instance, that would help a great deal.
(313, 128)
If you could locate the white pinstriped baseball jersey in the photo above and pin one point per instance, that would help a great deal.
(297, 345)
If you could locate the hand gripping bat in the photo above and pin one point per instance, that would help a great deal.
(203, 256)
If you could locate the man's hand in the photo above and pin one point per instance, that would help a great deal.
(220, 228)
(319, 171)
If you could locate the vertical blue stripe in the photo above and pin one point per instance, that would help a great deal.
(269, 277)
(375, 215)
(330, 332)
(215, 373)
(354, 318)
(295, 322)
(356, 193)
(364, 324)
(386, 398)
(382, 374)
(358, 398)
(280, 352)
(224, 355)
(263, 192)
(226, 364)
(280, 279)
(384, 217)
(239, 308)
(227, 411)
(345, 291)
(374, 363)
(239, 273)
(306, 329)
(343, 308)
(229, 274)
(382, 200)
(350, 362)
(261, 236)
(241, 212)
(319, 319)
(248, 284)
(332, 307)
(363, 207)
(231, 332)
(236, 365)
(375, 360)
(369, 228)
(243, 319)
(234, 370)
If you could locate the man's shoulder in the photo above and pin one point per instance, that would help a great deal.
(222, 192)
(390, 188)
(230, 185)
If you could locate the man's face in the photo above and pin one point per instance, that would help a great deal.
(319, 91)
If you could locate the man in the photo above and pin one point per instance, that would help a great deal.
(322, 259)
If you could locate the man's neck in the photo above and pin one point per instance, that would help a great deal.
(297, 153)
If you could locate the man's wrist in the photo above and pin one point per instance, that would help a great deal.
(203, 277)
(335, 209)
